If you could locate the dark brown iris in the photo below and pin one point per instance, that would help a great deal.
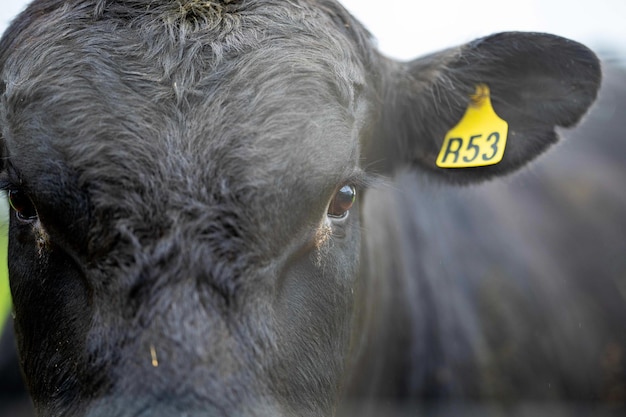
(23, 206)
(342, 202)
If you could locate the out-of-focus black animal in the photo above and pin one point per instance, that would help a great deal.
(200, 227)
(511, 294)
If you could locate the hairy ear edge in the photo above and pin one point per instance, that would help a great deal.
(536, 81)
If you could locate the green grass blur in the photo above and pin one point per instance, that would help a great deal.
(5, 294)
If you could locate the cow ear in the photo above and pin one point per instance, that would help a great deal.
(483, 109)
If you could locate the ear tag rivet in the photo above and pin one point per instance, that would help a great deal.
(479, 139)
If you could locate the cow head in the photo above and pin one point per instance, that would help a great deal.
(186, 178)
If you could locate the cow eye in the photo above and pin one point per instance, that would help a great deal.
(24, 208)
(342, 202)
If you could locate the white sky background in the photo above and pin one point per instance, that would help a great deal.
(408, 28)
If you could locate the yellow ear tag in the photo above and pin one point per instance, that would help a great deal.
(5, 293)
(478, 139)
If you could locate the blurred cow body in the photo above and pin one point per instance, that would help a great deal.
(185, 239)
(522, 284)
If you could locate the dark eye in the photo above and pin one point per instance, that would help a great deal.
(24, 208)
(342, 202)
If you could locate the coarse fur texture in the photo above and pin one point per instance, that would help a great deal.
(181, 156)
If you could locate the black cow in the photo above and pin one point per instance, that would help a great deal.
(200, 225)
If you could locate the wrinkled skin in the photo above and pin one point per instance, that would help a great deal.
(171, 166)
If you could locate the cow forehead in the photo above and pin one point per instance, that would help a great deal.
(151, 75)
(264, 112)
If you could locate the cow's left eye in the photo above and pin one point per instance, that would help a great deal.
(342, 202)
(25, 210)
